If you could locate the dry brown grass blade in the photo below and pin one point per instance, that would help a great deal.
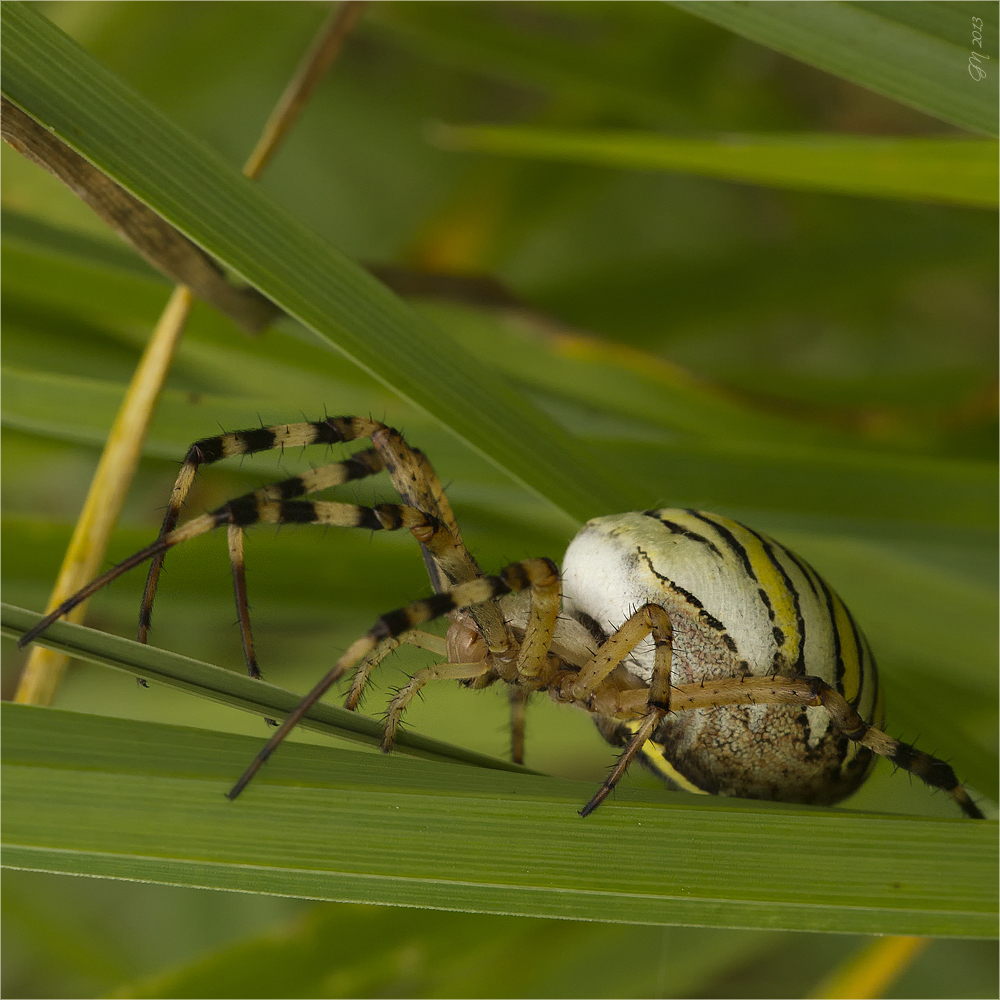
(120, 458)
(108, 489)
(163, 246)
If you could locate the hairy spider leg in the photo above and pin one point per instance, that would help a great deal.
(642, 733)
(254, 508)
(812, 691)
(436, 672)
(423, 640)
(528, 670)
(358, 466)
(648, 619)
(518, 705)
(411, 474)
(518, 576)
(532, 658)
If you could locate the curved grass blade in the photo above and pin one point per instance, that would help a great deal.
(916, 53)
(225, 686)
(118, 798)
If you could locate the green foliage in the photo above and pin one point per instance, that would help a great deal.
(223, 686)
(917, 53)
(83, 792)
(817, 364)
(224, 213)
(957, 171)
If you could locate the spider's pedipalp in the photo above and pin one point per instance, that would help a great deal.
(403, 697)
(516, 577)
(422, 640)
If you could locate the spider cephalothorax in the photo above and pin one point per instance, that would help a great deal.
(708, 650)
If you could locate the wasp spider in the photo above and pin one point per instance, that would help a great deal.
(717, 656)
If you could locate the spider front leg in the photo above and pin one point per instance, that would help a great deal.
(213, 449)
(256, 508)
(411, 474)
(358, 466)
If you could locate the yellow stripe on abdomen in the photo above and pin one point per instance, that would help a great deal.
(655, 755)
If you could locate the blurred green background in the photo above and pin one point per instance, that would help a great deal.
(820, 365)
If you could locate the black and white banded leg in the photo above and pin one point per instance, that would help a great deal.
(813, 691)
(256, 508)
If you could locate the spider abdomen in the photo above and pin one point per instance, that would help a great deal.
(740, 605)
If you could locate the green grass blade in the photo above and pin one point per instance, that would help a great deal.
(56, 82)
(223, 686)
(654, 462)
(353, 951)
(916, 53)
(100, 796)
(952, 171)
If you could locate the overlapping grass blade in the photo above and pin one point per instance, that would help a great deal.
(57, 83)
(223, 686)
(916, 53)
(111, 797)
(748, 469)
(951, 171)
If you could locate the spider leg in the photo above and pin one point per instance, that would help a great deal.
(532, 658)
(518, 576)
(403, 697)
(235, 538)
(649, 618)
(518, 704)
(635, 744)
(933, 772)
(205, 452)
(358, 466)
(423, 640)
(814, 691)
(256, 508)
(412, 477)
(658, 696)
(417, 484)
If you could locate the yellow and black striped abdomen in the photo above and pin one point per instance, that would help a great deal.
(741, 604)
